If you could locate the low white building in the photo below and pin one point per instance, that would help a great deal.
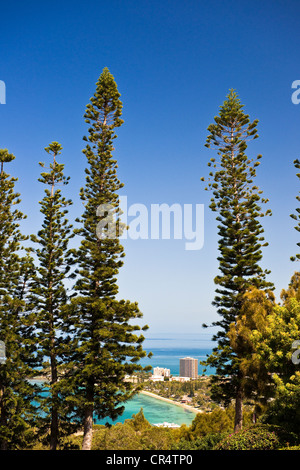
(180, 379)
(157, 378)
(161, 371)
(131, 378)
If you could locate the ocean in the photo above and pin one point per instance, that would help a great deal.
(155, 411)
(169, 358)
(167, 351)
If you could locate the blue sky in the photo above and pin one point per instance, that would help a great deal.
(174, 63)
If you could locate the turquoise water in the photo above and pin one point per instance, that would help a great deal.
(166, 353)
(155, 411)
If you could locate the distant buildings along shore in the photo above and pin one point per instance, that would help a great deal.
(188, 369)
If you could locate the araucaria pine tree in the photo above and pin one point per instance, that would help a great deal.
(297, 215)
(17, 412)
(49, 296)
(110, 344)
(237, 202)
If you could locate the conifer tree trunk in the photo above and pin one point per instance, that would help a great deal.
(88, 428)
(54, 433)
(238, 417)
(88, 420)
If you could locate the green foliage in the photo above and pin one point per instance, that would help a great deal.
(110, 344)
(253, 319)
(17, 413)
(90, 339)
(291, 448)
(218, 421)
(237, 201)
(275, 356)
(284, 410)
(206, 431)
(293, 290)
(256, 437)
(5, 157)
(274, 344)
(139, 422)
(49, 297)
(296, 216)
(157, 439)
(134, 434)
(120, 437)
(208, 442)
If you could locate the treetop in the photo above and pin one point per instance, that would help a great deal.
(5, 156)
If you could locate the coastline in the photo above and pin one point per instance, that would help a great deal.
(168, 400)
(42, 379)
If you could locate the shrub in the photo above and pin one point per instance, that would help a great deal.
(284, 411)
(291, 448)
(255, 437)
(207, 442)
(217, 421)
(121, 436)
(157, 438)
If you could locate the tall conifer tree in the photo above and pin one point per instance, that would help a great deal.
(17, 413)
(297, 215)
(237, 202)
(109, 343)
(49, 294)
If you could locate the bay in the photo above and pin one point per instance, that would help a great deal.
(167, 352)
(155, 411)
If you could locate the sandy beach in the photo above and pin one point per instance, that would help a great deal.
(182, 405)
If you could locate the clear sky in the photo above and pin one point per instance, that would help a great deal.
(174, 63)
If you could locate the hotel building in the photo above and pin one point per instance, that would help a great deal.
(188, 367)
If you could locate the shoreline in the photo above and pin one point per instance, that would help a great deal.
(168, 400)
